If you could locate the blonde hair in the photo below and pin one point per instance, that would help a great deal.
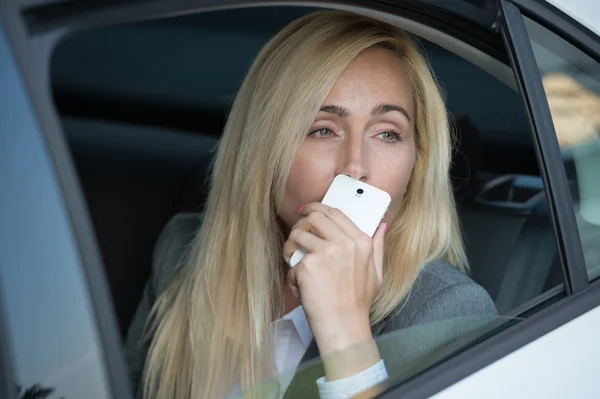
(212, 326)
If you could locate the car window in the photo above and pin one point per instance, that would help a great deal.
(571, 81)
(406, 353)
(52, 335)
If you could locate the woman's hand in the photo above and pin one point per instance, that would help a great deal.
(338, 278)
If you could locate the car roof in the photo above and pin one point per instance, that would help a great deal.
(586, 12)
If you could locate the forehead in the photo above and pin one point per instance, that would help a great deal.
(375, 76)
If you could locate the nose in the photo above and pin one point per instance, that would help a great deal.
(353, 160)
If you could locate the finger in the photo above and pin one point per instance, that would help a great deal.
(378, 248)
(346, 225)
(301, 239)
(320, 224)
(293, 283)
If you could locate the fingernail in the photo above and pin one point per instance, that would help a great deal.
(299, 209)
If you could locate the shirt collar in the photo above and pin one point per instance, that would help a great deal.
(298, 317)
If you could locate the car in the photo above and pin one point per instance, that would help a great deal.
(110, 114)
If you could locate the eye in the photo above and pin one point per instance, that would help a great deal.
(322, 133)
(390, 136)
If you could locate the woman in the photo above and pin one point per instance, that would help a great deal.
(332, 93)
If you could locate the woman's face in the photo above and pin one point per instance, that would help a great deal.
(365, 128)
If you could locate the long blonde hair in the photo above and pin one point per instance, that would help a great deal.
(211, 327)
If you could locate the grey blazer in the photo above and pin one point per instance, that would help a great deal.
(440, 293)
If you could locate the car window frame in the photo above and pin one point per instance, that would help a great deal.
(471, 360)
(52, 15)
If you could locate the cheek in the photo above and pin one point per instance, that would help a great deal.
(308, 180)
(396, 176)
(309, 171)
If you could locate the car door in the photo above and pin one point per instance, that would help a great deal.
(52, 279)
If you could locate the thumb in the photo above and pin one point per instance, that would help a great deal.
(378, 247)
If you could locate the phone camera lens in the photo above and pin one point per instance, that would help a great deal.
(360, 191)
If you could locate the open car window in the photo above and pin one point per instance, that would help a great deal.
(167, 85)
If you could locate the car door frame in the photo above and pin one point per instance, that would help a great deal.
(21, 25)
(33, 75)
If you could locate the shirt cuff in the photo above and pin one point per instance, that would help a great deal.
(350, 386)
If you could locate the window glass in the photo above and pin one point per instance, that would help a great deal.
(572, 84)
(52, 334)
(405, 352)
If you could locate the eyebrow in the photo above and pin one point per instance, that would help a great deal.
(377, 111)
(336, 110)
(385, 108)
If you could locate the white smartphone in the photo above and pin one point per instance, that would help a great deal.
(365, 205)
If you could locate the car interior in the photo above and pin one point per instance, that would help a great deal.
(142, 106)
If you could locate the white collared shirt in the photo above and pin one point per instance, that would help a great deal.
(292, 338)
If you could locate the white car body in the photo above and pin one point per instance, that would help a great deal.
(533, 370)
(586, 12)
